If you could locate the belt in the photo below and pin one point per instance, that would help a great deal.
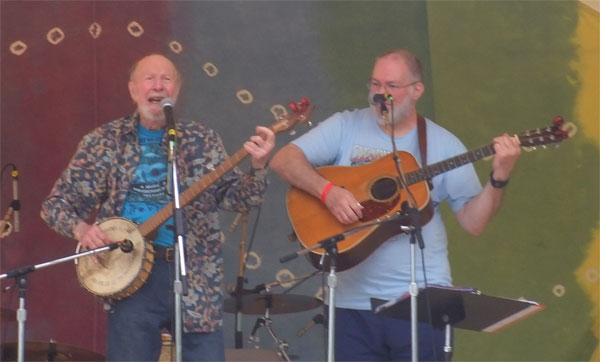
(164, 253)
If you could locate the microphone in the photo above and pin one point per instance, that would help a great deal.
(381, 98)
(167, 106)
(318, 319)
(16, 204)
(126, 246)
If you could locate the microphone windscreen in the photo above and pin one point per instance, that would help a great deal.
(166, 102)
(379, 98)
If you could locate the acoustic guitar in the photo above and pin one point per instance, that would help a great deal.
(375, 185)
(120, 274)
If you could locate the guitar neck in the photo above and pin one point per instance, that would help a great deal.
(188, 195)
(438, 168)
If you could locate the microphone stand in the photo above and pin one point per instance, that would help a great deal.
(180, 283)
(331, 249)
(409, 207)
(20, 275)
(239, 286)
(239, 291)
(330, 246)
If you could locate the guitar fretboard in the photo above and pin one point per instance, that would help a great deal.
(435, 169)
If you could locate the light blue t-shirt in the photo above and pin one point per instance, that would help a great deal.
(148, 193)
(352, 138)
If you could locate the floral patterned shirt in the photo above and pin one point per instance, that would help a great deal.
(99, 176)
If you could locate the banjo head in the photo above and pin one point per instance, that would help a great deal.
(117, 274)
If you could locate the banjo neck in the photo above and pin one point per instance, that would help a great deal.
(154, 222)
(301, 113)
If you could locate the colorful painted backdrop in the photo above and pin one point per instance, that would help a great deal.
(491, 67)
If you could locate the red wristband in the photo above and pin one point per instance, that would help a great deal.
(326, 191)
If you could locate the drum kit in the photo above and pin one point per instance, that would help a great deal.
(261, 301)
(263, 304)
(266, 304)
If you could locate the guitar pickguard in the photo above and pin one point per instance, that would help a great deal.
(374, 209)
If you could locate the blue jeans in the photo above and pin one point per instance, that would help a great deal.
(135, 324)
(361, 335)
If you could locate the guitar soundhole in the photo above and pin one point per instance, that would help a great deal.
(384, 197)
(384, 189)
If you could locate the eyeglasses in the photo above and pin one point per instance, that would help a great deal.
(390, 86)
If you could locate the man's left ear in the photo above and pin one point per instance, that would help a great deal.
(419, 90)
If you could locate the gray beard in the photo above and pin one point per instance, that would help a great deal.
(158, 120)
(400, 111)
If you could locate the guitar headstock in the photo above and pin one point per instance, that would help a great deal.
(551, 135)
(301, 114)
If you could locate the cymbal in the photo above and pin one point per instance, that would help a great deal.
(49, 351)
(8, 315)
(279, 303)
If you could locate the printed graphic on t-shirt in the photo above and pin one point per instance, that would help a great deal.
(361, 155)
(150, 179)
(148, 192)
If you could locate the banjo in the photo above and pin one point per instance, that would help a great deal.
(120, 273)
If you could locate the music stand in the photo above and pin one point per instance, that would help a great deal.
(465, 308)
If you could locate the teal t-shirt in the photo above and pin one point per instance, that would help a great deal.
(148, 193)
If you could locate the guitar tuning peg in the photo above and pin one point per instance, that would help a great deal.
(292, 132)
(558, 121)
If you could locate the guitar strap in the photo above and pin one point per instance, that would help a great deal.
(422, 132)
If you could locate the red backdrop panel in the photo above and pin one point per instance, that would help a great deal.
(66, 82)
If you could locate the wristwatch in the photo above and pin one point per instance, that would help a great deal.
(496, 183)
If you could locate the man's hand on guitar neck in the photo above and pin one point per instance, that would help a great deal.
(260, 146)
(507, 150)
